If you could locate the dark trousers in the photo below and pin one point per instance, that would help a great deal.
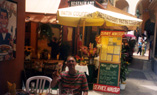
(139, 50)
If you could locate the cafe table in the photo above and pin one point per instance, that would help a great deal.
(23, 92)
(18, 92)
(50, 66)
(80, 68)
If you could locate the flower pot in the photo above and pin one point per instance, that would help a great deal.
(122, 86)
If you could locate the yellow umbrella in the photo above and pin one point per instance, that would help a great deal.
(89, 15)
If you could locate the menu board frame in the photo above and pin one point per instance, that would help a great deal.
(118, 76)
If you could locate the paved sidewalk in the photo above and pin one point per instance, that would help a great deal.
(138, 83)
(141, 83)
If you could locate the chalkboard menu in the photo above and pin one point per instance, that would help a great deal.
(108, 74)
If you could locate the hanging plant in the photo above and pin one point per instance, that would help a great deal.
(45, 31)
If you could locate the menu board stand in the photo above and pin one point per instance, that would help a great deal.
(109, 62)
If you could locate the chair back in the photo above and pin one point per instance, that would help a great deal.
(40, 83)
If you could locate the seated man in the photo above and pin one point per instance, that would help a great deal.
(71, 80)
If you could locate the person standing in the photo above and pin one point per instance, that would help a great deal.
(54, 47)
(5, 37)
(71, 80)
(143, 48)
(140, 47)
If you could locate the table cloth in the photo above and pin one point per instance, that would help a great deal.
(80, 68)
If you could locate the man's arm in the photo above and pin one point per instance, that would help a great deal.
(85, 85)
(55, 79)
(54, 82)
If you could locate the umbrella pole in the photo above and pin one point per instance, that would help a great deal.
(83, 36)
(83, 32)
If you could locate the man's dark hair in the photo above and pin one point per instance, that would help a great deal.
(70, 57)
(4, 10)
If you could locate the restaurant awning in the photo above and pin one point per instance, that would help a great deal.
(109, 7)
(114, 9)
(42, 18)
(42, 6)
(93, 16)
(43, 11)
(89, 15)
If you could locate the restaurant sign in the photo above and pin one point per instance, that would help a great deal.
(112, 33)
(106, 88)
(78, 3)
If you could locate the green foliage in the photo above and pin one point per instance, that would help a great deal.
(124, 66)
(45, 32)
(132, 43)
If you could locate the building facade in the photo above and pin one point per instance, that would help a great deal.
(147, 11)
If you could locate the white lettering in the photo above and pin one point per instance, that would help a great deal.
(95, 87)
(77, 3)
(104, 88)
(113, 89)
(99, 86)
(65, 13)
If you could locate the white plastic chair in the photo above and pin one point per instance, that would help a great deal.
(40, 83)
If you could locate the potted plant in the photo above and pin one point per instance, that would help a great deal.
(80, 60)
(45, 32)
(90, 52)
(124, 69)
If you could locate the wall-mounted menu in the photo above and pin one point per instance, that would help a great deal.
(111, 42)
(108, 74)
